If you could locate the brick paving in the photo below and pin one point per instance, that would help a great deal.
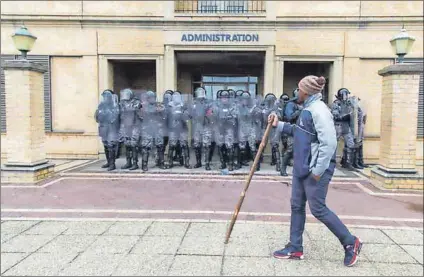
(130, 248)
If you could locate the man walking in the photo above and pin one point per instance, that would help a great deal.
(314, 148)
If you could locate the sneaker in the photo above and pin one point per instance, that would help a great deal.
(289, 252)
(351, 252)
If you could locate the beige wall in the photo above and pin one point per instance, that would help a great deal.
(41, 7)
(64, 40)
(74, 93)
(151, 9)
(392, 8)
(362, 79)
(124, 8)
(78, 50)
(318, 8)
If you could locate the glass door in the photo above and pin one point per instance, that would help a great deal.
(213, 84)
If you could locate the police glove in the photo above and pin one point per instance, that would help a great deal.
(346, 117)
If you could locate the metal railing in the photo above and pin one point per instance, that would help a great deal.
(220, 7)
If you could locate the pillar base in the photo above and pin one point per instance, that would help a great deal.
(14, 174)
(396, 178)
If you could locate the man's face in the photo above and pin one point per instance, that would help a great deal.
(302, 96)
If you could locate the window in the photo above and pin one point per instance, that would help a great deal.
(215, 83)
(226, 7)
(45, 60)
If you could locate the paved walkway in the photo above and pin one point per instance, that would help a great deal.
(147, 247)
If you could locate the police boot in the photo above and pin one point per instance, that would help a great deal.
(171, 151)
(349, 159)
(208, 157)
(343, 160)
(237, 157)
(106, 165)
(245, 157)
(134, 159)
(277, 157)
(186, 156)
(111, 158)
(157, 160)
(361, 157)
(284, 163)
(273, 158)
(221, 152)
(161, 157)
(179, 154)
(231, 152)
(258, 166)
(356, 159)
(128, 157)
(198, 153)
(242, 158)
(144, 158)
(212, 149)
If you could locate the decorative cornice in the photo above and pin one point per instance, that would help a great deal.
(23, 65)
(402, 68)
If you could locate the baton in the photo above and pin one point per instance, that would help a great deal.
(249, 178)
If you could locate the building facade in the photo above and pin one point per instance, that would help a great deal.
(262, 46)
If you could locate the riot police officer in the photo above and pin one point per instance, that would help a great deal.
(342, 112)
(178, 129)
(270, 107)
(107, 116)
(167, 96)
(129, 130)
(292, 111)
(226, 126)
(198, 117)
(247, 133)
(153, 129)
(281, 105)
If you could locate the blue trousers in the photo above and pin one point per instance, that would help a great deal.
(308, 189)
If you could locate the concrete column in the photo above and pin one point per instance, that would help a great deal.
(279, 77)
(170, 75)
(336, 78)
(26, 156)
(269, 71)
(159, 77)
(399, 116)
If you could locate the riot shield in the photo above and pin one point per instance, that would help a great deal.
(354, 124)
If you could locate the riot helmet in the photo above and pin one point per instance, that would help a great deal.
(200, 93)
(285, 98)
(177, 98)
(106, 97)
(126, 94)
(167, 97)
(239, 93)
(269, 100)
(224, 96)
(343, 94)
(295, 94)
(245, 98)
(231, 93)
(151, 97)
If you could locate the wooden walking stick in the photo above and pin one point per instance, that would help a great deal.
(249, 178)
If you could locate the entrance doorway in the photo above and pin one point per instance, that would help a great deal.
(138, 75)
(294, 71)
(218, 70)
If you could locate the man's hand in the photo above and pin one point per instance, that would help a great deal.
(273, 118)
(316, 177)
